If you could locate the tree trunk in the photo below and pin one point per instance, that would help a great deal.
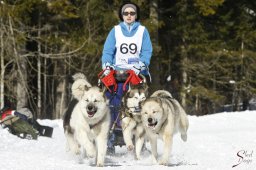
(60, 95)
(21, 61)
(2, 67)
(155, 74)
(22, 84)
(45, 96)
(63, 101)
(184, 75)
(184, 58)
(39, 85)
(60, 99)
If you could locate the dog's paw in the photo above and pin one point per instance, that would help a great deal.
(154, 160)
(184, 137)
(80, 160)
(67, 147)
(130, 147)
(75, 150)
(91, 153)
(137, 157)
(163, 162)
(99, 164)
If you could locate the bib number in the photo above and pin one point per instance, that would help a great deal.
(131, 48)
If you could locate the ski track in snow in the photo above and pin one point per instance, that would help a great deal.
(213, 144)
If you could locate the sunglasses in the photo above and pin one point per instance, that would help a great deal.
(127, 13)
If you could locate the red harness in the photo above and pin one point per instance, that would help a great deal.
(109, 80)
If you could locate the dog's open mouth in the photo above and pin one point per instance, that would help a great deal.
(152, 125)
(91, 113)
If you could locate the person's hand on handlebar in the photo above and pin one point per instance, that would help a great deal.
(107, 67)
(138, 67)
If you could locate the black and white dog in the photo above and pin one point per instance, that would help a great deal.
(131, 122)
(87, 121)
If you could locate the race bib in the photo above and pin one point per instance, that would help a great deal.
(128, 48)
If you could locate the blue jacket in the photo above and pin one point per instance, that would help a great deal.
(109, 49)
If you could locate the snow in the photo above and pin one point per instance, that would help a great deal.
(215, 142)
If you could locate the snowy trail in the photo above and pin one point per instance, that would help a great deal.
(213, 144)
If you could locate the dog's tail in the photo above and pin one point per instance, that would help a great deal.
(162, 94)
(79, 85)
(79, 76)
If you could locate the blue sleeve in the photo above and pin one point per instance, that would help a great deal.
(109, 48)
(146, 48)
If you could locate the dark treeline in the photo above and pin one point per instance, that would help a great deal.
(204, 51)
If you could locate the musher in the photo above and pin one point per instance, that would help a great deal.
(127, 47)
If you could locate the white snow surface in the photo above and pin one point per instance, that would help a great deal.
(215, 142)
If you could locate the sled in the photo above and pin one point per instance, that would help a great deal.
(109, 82)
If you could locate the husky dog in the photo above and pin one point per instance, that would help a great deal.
(89, 122)
(131, 123)
(162, 117)
(78, 87)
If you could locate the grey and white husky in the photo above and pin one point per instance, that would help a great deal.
(131, 121)
(162, 117)
(89, 123)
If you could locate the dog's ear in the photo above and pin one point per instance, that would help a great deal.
(85, 88)
(142, 103)
(145, 87)
(157, 100)
(78, 90)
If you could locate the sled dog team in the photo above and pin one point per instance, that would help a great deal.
(144, 117)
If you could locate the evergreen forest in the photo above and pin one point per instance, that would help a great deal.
(204, 51)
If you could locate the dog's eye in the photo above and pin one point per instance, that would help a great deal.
(154, 112)
(145, 113)
(136, 97)
(86, 100)
(95, 101)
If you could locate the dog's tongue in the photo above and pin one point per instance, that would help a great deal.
(90, 114)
